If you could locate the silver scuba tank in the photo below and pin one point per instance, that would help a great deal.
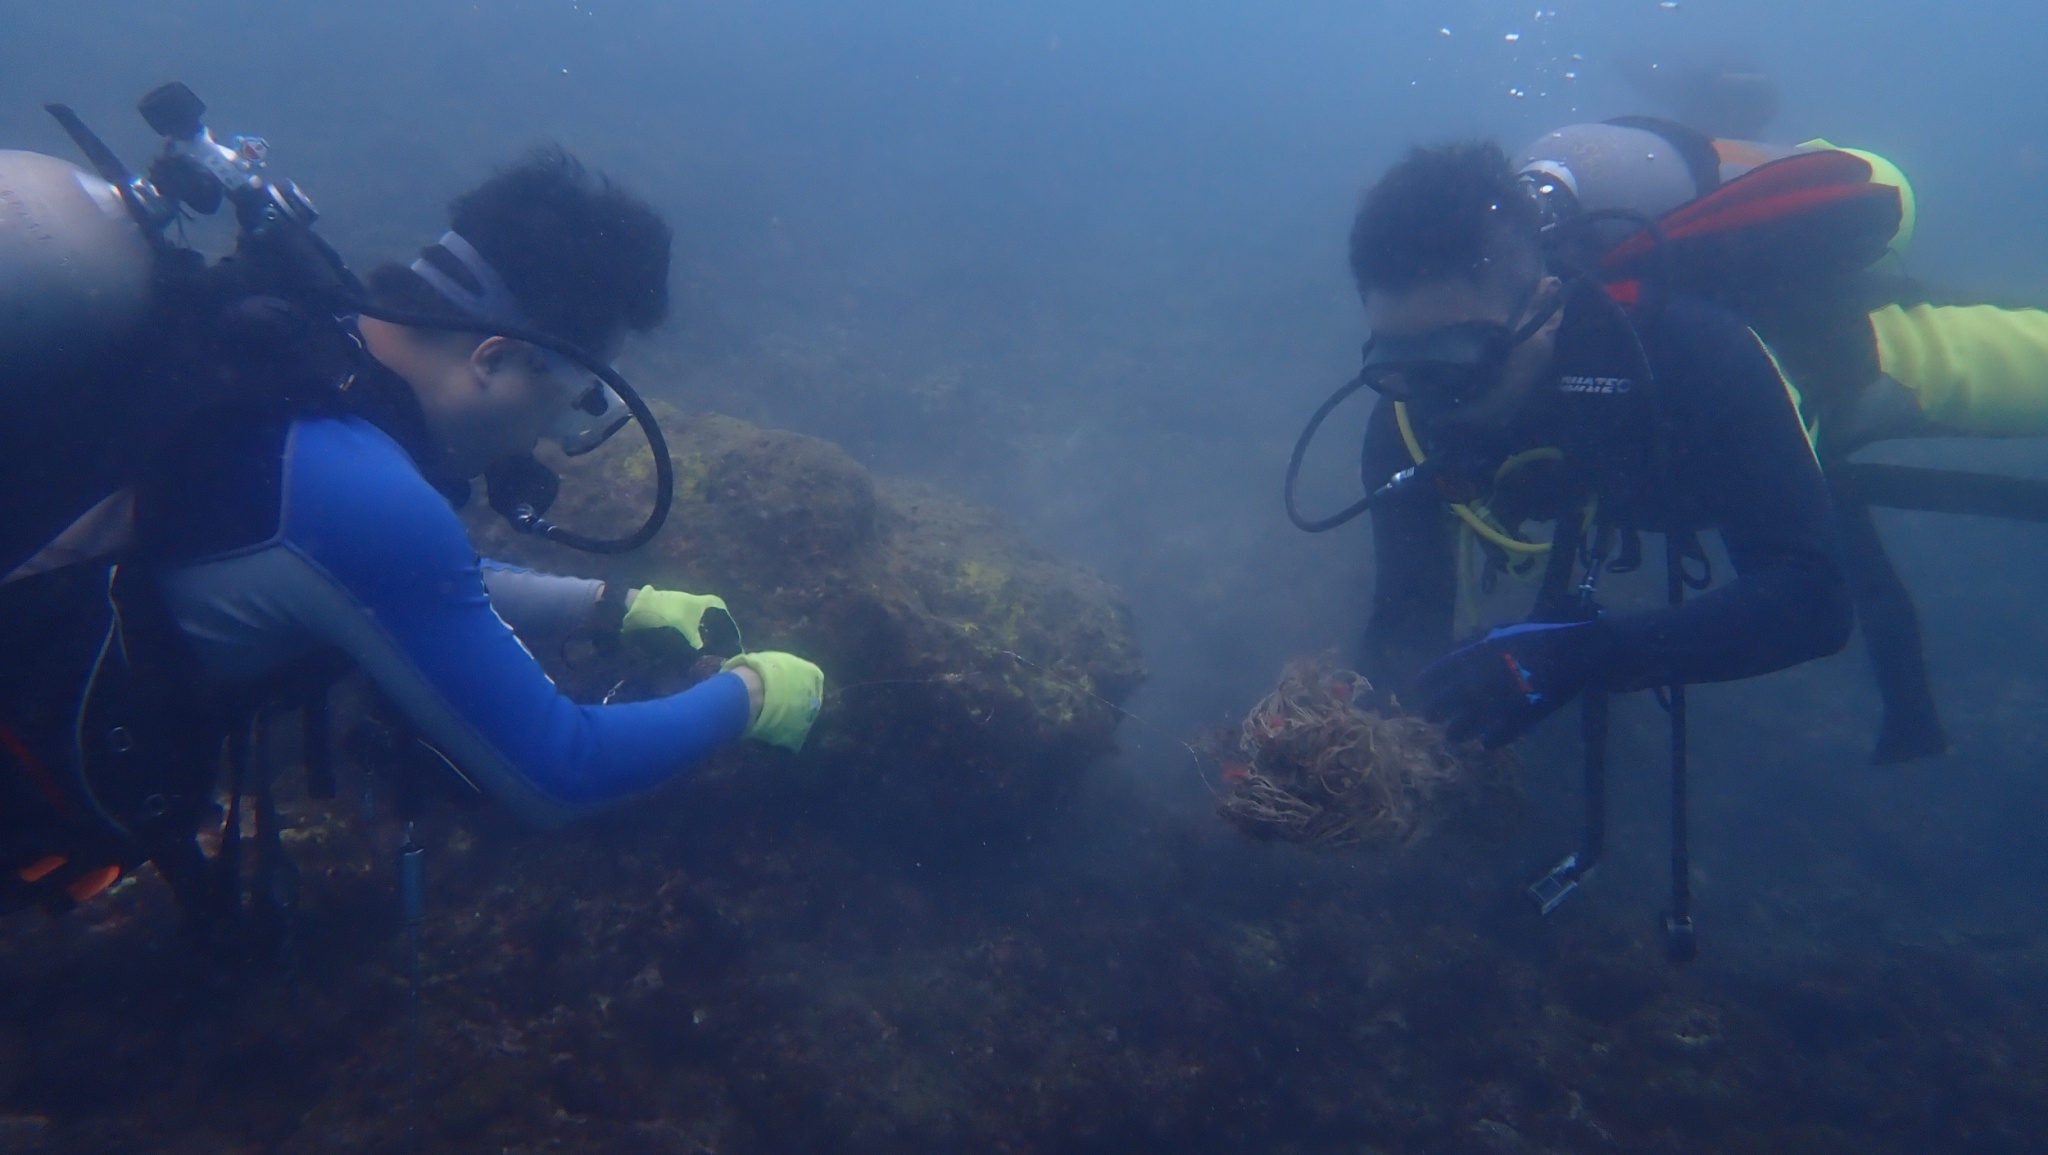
(75, 267)
(1596, 167)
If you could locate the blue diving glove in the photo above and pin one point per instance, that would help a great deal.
(1498, 687)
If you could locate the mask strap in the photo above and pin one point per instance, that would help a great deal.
(1535, 324)
(496, 303)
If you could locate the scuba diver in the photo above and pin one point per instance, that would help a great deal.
(1804, 244)
(1511, 393)
(1668, 419)
(292, 514)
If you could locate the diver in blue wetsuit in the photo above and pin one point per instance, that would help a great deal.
(1507, 395)
(323, 532)
(289, 536)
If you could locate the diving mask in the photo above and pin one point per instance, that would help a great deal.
(1451, 365)
(596, 413)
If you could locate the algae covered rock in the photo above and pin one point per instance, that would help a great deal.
(970, 676)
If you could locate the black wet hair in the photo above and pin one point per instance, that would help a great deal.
(1454, 210)
(587, 260)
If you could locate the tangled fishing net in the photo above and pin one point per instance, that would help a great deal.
(1313, 764)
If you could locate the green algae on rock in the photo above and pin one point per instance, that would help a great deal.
(970, 676)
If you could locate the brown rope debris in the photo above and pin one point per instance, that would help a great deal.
(1311, 764)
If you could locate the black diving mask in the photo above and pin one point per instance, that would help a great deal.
(1451, 365)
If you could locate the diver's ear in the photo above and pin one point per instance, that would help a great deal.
(494, 355)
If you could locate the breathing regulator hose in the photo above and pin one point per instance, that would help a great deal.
(331, 280)
(528, 520)
(1301, 444)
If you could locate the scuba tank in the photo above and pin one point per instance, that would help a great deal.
(77, 292)
(75, 268)
(99, 312)
(109, 331)
(1637, 168)
(1582, 167)
(1639, 163)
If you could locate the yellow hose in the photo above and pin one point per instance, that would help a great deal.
(1477, 519)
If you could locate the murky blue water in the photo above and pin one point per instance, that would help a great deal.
(1085, 263)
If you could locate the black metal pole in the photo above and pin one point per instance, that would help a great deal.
(412, 900)
(1558, 601)
(1681, 942)
(1593, 724)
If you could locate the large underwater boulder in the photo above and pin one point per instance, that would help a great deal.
(970, 676)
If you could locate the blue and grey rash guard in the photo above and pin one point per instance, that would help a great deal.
(322, 534)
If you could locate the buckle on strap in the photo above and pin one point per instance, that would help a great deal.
(1552, 889)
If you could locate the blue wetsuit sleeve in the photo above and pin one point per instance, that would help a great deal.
(1744, 467)
(358, 511)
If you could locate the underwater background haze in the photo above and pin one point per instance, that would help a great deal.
(1085, 263)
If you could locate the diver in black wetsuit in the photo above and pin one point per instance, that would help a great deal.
(1671, 419)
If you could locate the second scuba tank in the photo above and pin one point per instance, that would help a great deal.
(75, 267)
(76, 296)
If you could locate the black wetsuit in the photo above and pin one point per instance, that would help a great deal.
(1712, 441)
(1821, 330)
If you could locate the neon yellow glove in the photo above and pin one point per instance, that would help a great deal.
(653, 609)
(792, 690)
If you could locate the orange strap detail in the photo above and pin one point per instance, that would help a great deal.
(40, 869)
(36, 770)
(90, 884)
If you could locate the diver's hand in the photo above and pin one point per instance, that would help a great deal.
(648, 608)
(1498, 687)
(757, 694)
(791, 692)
